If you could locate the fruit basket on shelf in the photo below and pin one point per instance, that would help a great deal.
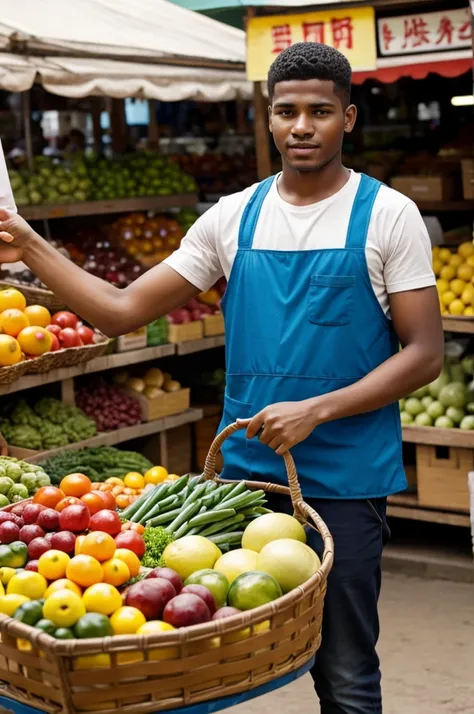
(165, 670)
(35, 295)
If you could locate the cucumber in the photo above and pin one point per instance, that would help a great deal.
(178, 485)
(211, 517)
(244, 500)
(231, 538)
(223, 526)
(195, 494)
(164, 518)
(153, 497)
(236, 489)
(167, 504)
(184, 516)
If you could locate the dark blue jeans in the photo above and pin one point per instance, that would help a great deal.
(346, 674)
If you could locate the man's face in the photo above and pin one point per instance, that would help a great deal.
(308, 121)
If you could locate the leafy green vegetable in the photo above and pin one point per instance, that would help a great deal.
(156, 540)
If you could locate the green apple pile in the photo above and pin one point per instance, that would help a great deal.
(446, 403)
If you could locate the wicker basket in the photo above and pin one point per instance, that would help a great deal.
(70, 357)
(151, 673)
(35, 296)
(8, 375)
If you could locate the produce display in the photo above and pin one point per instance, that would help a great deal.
(455, 279)
(19, 480)
(446, 403)
(98, 463)
(107, 405)
(207, 303)
(220, 173)
(73, 567)
(152, 384)
(97, 179)
(45, 424)
(150, 240)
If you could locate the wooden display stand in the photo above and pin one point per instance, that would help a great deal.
(442, 477)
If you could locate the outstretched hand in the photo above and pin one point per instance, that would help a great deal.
(283, 425)
(14, 236)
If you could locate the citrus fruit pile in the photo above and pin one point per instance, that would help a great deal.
(455, 279)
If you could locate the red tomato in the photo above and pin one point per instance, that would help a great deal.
(106, 521)
(65, 319)
(132, 541)
(108, 499)
(86, 334)
(69, 338)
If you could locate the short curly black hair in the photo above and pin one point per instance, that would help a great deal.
(311, 60)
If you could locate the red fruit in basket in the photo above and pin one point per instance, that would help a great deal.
(64, 319)
(68, 501)
(204, 593)
(108, 499)
(86, 334)
(55, 346)
(69, 338)
(31, 513)
(54, 329)
(8, 516)
(48, 537)
(48, 520)
(30, 532)
(93, 502)
(37, 547)
(64, 540)
(108, 522)
(185, 610)
(167, 574)
(18, 510)
(226, 611)
(48, 496)
(75, 518)
(9, 532)
(32, 565)
(150, 597)
(130, 540)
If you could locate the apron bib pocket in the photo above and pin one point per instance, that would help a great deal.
(330, 299)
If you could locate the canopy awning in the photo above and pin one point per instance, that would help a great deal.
(446, 64)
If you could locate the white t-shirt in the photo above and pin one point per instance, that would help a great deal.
(6, 195)
(398, 247)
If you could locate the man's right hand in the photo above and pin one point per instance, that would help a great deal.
(15, 234)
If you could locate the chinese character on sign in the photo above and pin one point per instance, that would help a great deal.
(465, 32)
(416, 30)
(281, 36)
(342, 32)
(387, 36)
(313, 32)
(445, 31)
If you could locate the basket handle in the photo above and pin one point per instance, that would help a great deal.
(210, 463)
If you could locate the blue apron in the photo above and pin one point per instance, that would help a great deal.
(301, 324)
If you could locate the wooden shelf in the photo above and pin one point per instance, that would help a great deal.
(406, 506)
(119, 205)
(431, 436)
(128, 433)
(445, 206)
(463, 325)
(121, 359)
(207, 343)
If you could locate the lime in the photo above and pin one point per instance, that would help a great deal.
(46, 625)
(214, 581)
(63, 633)
(29, 613)
(253, 589)
(19, 553)
(93, 624)
(5, 556)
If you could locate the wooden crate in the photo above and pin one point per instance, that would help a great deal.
(442, 476)
(213, 325)
(187, 332)
(132, 341)
(164, 405)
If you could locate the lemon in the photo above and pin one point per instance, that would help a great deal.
(457, 286)
(456, 260)
(469, 311)
(28, 583)
(465, 272)
(435, 251)
(442, 285)
(466, 249)
(10, 603)
(456, 307)
(447, 298)
(437, 266)
(470, 260)
(468, 295)
(447, 272)
(444, 255)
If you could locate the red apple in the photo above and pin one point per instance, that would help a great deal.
(37, 547)
(9, 532)
(167, 574)
(32, 565)
(30, 532)
(204, 593)
(18, 509)
(48, 519)
(55, 346)
(109, 522)
(185, 610)
(64, 540)
(49, 537)
(150, 597)
(54, 329)
(75, 518)
(31, 513)
(8, 517)
(65, 319)
(86, 334)
(226, 611)
(69, 338)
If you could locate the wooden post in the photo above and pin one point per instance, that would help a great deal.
(118, 125)
(153, 134)
(262, 145)
(96, 127)
(240, 122)
(27, 129)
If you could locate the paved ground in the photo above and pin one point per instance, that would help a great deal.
(426, 648)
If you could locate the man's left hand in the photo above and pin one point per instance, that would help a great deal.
(283, 425)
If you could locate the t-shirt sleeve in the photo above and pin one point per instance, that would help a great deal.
(197, 259)
(408, 263)
(6, 194)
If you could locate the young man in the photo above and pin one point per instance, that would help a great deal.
(328, 272)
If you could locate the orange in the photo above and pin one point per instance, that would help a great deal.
(130, 559)
(48, 496)
(84, 570)
(35, 340)
(12, 299)
(76, 485)
(122, 500)
(102, 598)
(134, 480)
(127, 620)
(63, 584)
(153, 627)
(93, 502)
(13, 321)
(68, 501)
(155, 475)
(99, 545)
(116, 572)
(38, 315)
(52, 564)
(114, 481)
(10, 351)
(78, 545)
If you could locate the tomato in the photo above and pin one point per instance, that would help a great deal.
(108, 499)
(65, 319)
(131, 540)
(48, 496)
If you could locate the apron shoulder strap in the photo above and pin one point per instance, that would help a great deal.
(361, 212)
(251, 213)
